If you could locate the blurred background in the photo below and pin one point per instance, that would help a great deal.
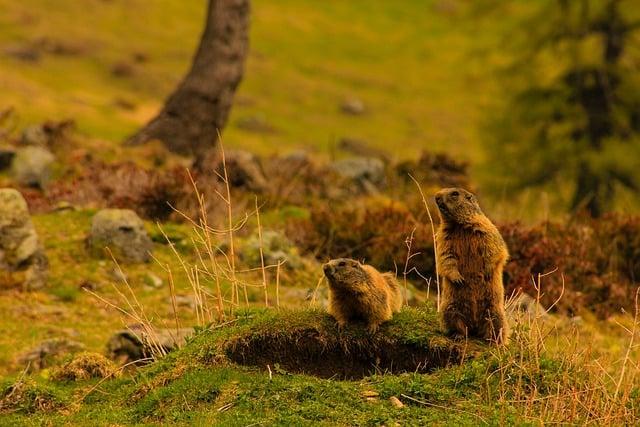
(540, 98)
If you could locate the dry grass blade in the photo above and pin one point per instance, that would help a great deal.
(433, 233)
(264, 272)
(446, 408)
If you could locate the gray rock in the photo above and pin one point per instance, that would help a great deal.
(31, 166)
(118, 275)
(257, 123)
(318, 295)
(47, 353)
(22, 259)
(352, 106)
(152, 280)
(137, 343)
(123, 232)
(34, 135)
(275, 247)
(525, 304)
(362, 148)
(366, 172)
(181, 300)
(244, 170)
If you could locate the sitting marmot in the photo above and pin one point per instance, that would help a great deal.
(360, 292)
(471, 256)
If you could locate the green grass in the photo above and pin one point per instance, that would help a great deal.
(190, 386)
(65, 309)
(200, 385)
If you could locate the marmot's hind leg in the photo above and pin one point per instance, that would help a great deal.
(495, 327)
(454, 323)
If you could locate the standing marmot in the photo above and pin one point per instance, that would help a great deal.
(360, 292)
(471, 255)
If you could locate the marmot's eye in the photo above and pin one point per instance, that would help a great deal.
(469, 197)
(455, 194)
(342, 264)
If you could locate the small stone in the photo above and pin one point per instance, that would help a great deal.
(31, 166)
(88, 285)
(48, 352)
(257, 124)
(185, 301)
(368, 173)
(123, 232)
(152, 280)
(396, 402)
(369, 393)
(118, 275)
(244, 171)
(275, 248)
(353, 106)
(63, 206)
(34, 135)
(137, 343)
(525, 304)
(123, 69)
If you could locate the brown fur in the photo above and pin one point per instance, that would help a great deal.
(360, 292)
(471, 255)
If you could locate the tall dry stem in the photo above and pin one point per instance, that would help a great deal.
(264, 271)
(435, 244)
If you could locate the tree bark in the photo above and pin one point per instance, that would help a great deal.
(195, 114)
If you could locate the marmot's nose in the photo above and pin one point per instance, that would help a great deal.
(327, 269)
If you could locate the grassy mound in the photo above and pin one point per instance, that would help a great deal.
(248, 371)
(207, 381)
(310, 343)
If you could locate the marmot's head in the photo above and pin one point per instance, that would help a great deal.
(457, 205)
(344, 273)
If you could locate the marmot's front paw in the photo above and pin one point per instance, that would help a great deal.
(457, 279)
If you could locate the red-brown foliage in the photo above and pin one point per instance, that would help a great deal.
(598, 259)
(373, 230)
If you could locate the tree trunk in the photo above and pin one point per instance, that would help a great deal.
(587, 195)
(197, 111)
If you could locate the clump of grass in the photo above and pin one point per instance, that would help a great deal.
(25, 396)
(565, 384)
(84, 366)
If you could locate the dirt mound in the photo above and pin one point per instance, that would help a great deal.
(320, 349)
(307, 351)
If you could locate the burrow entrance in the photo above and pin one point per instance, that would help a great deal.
(307, 351)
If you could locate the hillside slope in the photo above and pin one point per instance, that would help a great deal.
(420, 68)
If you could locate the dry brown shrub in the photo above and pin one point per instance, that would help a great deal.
(374, 231)
(597, 259)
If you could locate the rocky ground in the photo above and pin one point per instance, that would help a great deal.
(194, 316)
